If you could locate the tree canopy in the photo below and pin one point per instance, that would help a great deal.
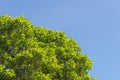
(29, 52)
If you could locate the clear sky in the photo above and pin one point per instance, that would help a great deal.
(94, 24)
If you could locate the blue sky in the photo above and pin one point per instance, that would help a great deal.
(94, 24)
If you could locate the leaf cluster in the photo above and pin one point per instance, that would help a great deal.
(28, 52)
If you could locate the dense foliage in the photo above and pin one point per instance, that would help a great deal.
(28, 52)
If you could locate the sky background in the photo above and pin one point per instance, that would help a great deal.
(94, 24)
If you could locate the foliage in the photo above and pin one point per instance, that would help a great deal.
(28, 52)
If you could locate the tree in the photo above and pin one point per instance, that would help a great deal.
(28, 52)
